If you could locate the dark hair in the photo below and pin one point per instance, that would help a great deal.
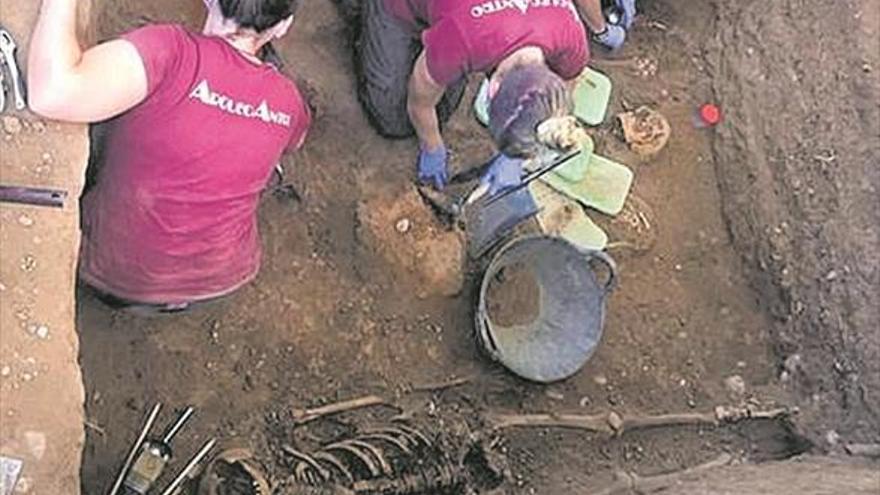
(528, 95)
(258, 15)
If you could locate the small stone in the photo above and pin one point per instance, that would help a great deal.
(39, 127)
(600, 380)
(691, 403)
(11, 125)
(554, 395)
(735, 385)
(403, 225)
(47, 157)
(42, 332)
(615, 421)
(26, 221)
(832, 437)
(27, 377)
(831, 275)
(585, 401)
(5, 371)
(28, 263)
(741, 364)
(792, 363)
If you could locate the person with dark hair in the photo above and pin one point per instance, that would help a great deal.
(197, 124)
(414, 57)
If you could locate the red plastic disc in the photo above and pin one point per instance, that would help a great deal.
(710, 114)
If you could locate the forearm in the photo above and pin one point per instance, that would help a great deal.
(422, 98)
(591, 13)
(54, 50)
(423, 116)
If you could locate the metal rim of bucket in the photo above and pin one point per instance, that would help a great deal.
(483, 321)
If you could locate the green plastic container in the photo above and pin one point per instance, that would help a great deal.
(591, 97)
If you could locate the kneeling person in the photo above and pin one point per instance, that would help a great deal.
(199, 124)
(415, 56)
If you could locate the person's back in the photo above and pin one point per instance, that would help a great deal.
(172, 217)
(199, 124)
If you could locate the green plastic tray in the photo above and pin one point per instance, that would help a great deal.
(604, 187)
(591, 97)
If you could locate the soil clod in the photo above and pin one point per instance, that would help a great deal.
(514, 297)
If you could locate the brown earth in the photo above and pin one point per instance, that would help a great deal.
(331, 317)
(797, 165)
(394, 224)
(803, 476)
(514, 297)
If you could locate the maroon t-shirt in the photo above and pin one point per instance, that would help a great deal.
(465, 36)
(173, 215)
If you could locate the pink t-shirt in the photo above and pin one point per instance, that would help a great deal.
(173, 215)
(466, 36)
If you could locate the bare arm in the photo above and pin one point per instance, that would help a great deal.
(424, 95)
(591, 13)
(66, 83)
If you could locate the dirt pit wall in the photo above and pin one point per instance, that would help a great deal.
(41, 392)
(797, 166)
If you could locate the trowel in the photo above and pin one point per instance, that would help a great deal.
(488, 219)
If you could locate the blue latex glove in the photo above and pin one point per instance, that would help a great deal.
(432, 167)
(503, 174)
(628, 12)
(613, 37)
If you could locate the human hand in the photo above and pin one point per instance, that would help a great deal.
(613, 37)
(627, 12)
(432, 167)
(504, 173)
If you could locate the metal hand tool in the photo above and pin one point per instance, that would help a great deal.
(8, 47)
(189, 470)
(153, 458)
(53, 198)
(129, 460)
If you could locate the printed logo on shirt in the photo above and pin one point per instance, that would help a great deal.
(204, 94)
(495, 6)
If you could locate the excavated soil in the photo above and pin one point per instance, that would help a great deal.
(331, 317)
(514, 297)
(797, 165)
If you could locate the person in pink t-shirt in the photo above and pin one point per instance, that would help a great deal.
(198, 124)
(414, 57)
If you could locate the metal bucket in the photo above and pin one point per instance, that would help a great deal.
(571, 309)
